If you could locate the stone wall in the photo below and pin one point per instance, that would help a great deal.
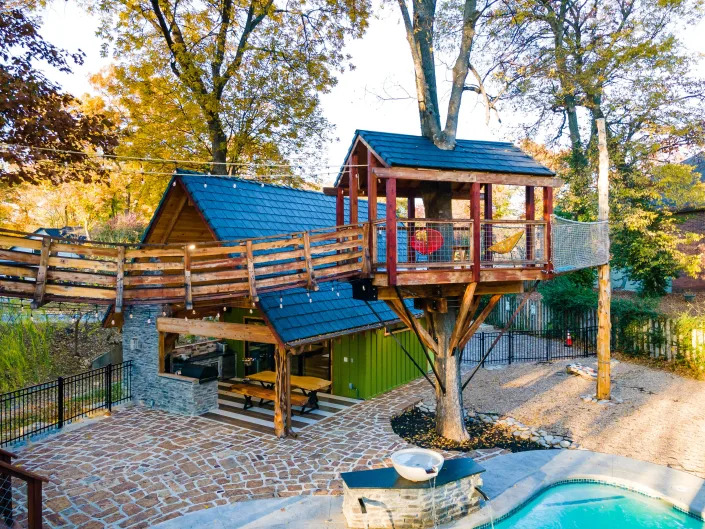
(411, 508)
(140, 343)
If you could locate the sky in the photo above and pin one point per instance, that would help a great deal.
(372, 96)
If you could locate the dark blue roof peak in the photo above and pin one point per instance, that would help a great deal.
(406, 150)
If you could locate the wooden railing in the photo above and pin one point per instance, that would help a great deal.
(9, 514)
(42, 268)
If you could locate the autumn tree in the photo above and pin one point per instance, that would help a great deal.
(41, 127)
(562, 64)
(241, 81)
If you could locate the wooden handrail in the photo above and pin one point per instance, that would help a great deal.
(34, 492)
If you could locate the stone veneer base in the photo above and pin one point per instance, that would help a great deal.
(411, 508)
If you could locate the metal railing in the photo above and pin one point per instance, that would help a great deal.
(426, 243)
(514, 243)
(37, 409)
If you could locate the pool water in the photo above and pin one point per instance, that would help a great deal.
(595, 505)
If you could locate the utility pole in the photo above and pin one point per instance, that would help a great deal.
(604, 326)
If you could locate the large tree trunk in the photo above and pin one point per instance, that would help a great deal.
(219, 146)
(449, 406)
(437, 199)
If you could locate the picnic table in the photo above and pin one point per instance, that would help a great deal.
(310, 386)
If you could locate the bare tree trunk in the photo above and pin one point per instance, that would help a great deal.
(449, 406)
(219, 147)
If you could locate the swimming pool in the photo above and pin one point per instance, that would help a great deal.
(596, 505)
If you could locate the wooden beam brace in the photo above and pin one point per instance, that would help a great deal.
(120, 280)
(251, 278)
(423, 334)
(218, 329)
(465, 304)
(41, 283)
(479, 321)
(466, 177)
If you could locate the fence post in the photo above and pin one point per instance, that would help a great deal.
(511, 339)
(109, 387)
(482, 348)
(60, 402)
(546, 341)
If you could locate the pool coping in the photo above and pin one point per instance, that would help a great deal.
(512, 480)
(509, 480)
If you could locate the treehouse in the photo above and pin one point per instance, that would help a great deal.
(424, 254)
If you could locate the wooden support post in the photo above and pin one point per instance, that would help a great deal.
(391, 227)
(310, 276)
(339, 206)
(280, 390)
(488, 213)
(41, 284)
(162, 352)
(463, 311)
(251, 278)
(372, 205)
(366, 265)
(187, 278)
(120, 279)
(354, 186)
(547, 212)
(411, 228)
(475, 215)
(604, 325)
(288, 393)
(530, 215)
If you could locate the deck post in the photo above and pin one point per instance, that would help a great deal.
(391, 221)
(372, 205)
(530, 215)
(411, 228)
(339, 207)
(487, 228)
(353, 171)
(475, 215)
(281, 382)
(547, 212)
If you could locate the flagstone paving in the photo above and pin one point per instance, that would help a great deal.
(140, 466)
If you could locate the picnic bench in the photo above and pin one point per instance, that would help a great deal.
(310, 386)
(266, 395)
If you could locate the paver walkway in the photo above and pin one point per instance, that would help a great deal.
(140, 467)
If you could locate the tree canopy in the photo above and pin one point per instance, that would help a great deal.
(238, 81)
(41, 127)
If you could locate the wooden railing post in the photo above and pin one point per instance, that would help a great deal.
(372, 205)
(41, 283)
(476, 237)
(354, 186)
(391, 228)
(34, 504)
(530, 215)
(251, 278)
(311, 279)
(187, 278)
(487, 228)
(547, 212)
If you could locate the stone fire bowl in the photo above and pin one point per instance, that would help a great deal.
(417, 464)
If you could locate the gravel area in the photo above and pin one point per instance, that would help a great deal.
(661, 419)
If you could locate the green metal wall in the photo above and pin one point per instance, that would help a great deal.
(375, 363)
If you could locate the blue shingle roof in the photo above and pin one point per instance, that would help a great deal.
(403, 150)
(254, 210)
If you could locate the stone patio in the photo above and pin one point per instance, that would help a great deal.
(141, 466)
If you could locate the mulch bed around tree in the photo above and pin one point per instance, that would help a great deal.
(418, 427)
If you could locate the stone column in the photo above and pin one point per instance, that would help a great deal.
(140, 344)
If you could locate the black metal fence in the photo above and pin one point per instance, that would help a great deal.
(37, 409)
(530, 346)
